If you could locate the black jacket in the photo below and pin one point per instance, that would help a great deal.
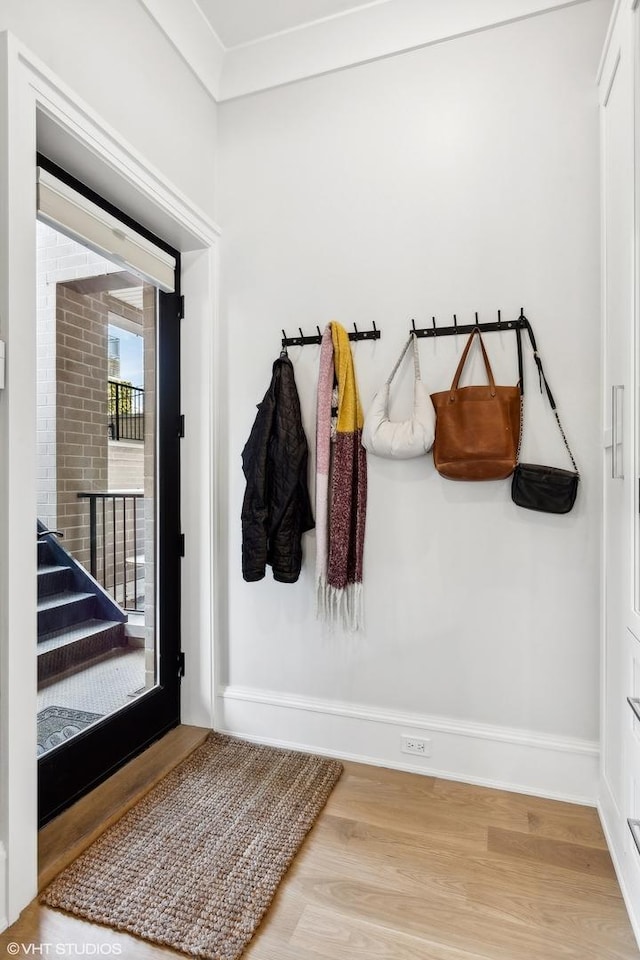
(276, 509)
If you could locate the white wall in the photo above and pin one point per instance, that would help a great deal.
(114, 55)
(460, 177)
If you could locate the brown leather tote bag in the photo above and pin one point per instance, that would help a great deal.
(477, 428)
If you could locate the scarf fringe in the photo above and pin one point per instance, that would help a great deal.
(340, 606)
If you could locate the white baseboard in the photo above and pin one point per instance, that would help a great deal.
(625, 857)
(506, 758)
(4, 923)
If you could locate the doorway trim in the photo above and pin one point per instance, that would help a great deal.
(37, 110)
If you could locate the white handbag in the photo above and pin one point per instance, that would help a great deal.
(404, 438)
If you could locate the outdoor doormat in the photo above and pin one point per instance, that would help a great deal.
(195, 864)
(56, 724)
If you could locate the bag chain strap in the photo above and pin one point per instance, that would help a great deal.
(566, 443)
(521, 427)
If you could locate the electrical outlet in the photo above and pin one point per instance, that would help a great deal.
(417, 745)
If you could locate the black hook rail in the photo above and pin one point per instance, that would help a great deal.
(490, 327)
(303, 341)
(300, 341)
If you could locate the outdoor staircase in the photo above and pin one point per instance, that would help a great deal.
(77, 619)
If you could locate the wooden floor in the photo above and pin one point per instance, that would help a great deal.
(404, 867)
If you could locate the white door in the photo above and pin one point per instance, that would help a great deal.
(618, 225)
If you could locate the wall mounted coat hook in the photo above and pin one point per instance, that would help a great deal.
(373, 334)
(301, 341)
(316, 338)
(492, 325)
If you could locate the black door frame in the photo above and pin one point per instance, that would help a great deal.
(74, 768)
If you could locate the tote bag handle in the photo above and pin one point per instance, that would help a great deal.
(463, 360)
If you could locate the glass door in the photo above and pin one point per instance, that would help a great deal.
(108, 536)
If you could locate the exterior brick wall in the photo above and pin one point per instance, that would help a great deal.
(59, 259)
(83, 458)
(81, 412)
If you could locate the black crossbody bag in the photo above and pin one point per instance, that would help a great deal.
(537, 487)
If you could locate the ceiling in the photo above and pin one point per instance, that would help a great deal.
(253, 45)
(243, 21)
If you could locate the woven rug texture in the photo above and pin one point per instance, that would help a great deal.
(195, 864)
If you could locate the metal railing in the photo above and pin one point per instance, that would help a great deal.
(126, 411)
(117, 544)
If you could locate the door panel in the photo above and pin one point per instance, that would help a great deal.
(618, 223)
(109, 589)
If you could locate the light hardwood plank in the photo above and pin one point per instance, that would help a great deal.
(560, 853)
(322, 933)
(467, 927)
(568, 826)
(578, 921)
(474, 794)
(416, 784)
(419, 811)
(405, 861)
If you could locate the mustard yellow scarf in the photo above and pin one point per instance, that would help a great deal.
(341, 485)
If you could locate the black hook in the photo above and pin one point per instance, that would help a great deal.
(375, 329)
(477, 324)
(301, 333)
(319, 334)
(455, 323)
(433, 324)
(499, 319)
(355, 329)
(284, 336)
(413, 325)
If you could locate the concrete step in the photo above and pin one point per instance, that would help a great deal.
(60, 650)
(60, 610)
(53, 578)
(44, 552)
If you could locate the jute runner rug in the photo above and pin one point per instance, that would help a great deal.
(195, 864)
